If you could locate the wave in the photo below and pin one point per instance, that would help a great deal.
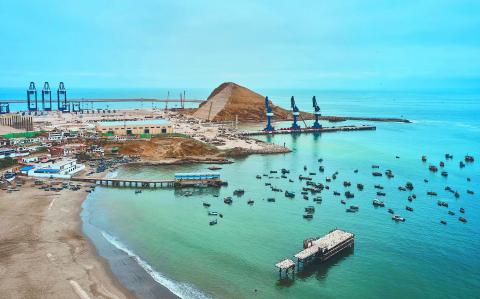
(182, 290)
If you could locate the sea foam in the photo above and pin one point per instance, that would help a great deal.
(182, 290)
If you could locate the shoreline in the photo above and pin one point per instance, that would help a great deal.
(44, 251)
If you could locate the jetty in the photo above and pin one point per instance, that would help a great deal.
(180, 180)
(310, 130)
(325, 247)
(320, 248)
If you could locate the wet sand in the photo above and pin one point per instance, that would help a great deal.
(43, 253)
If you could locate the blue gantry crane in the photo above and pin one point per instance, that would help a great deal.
(316, 124)
(295, 113)
(4, 108)
(62, 98)
(46, 92)
(32, 96)
(269, 126)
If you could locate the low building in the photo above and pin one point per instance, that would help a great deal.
(63, 168)
(121, 128)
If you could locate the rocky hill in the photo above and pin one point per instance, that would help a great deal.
(230, 99)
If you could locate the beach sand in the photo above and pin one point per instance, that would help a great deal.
(43, 253)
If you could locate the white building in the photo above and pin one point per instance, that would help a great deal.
(63, 169)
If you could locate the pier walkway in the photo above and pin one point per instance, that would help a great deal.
(133, 183)
(311, 130)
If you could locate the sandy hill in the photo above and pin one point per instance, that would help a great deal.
(230, 99)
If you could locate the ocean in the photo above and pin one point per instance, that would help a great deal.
(160, 237)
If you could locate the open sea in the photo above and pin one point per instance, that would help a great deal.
(160, 237)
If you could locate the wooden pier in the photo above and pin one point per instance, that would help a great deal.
(311, 130)
(128, 183)
(284, 266)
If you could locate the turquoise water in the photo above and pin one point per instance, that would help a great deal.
(419, 258)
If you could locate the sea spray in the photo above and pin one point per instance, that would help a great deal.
(182, 290)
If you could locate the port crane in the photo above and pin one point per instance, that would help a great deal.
(32, 95)
(62, 98)
(295, 113)
(46, 92)
(316, 124)
(269, 126)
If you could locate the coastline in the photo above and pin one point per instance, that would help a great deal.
(44, 252)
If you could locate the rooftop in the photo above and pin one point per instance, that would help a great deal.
(326, 242)
(147, 122)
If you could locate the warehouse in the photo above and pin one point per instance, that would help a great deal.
(119, 128)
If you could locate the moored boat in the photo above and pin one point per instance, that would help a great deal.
(378, 203)
(398, 218)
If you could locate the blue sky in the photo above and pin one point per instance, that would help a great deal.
(265, 44)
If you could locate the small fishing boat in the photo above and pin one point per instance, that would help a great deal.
(238, 192)
(401, 188)
(258, 177)
(469, 158)
(213, 222)
(312, 173)
(389, 174)
(350, 210)
(205, 204)
(398, 218)
(327, 179)
(268, 184)
(214, 168)
(320, 160)
(456, 194)
(360, 187)
(442, 204)
(308, 216)
(461, 164)
(433, 168)
(305, 167)
(378, 203)
(321, 169)
(461, 219)
(425, 180)
(290, 180)
(378, 186)
(410, 198)
(355, 171)
(469, 179)
(347, 184)
(212, 213)
(285, 171)
(355, 207)
(462, 210)
(334, 177)
(271, 199)
(283, 176)
(336, 193)
(289, 194)
(448, 156)
(451, 213)
(424, 158)
(390, 211)
(349, 194)
(376, 173)
(273, 171)
(444, 173)
(343, 202)
(442, 164)
(443, 222)
(432, 193)
(317, 199)
(188, 193)
(375, 166)
(409, 208)
(228, 200)
(380, 193)
(470, 192)
(304, 193)
(310, 209)
(305, 197)
(215, 195)
(138, 191)
(250, 202)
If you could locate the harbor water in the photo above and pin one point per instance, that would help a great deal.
(166, 237)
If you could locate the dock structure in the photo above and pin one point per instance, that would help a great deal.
(325, 247)
(181, 180)
(128, 183)
(284, 266)
(310, 130)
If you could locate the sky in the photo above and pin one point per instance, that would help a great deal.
(365, 44)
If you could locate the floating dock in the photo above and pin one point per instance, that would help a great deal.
(311, 130)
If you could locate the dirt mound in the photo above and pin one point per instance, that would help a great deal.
(229, 100)
(164, 148)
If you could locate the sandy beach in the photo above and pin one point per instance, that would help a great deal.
(43, 253)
